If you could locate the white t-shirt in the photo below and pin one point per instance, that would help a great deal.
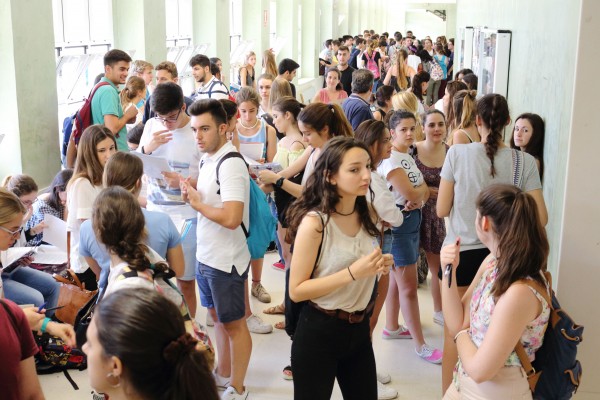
(383, 201)
(183, 156)
(407, 163)
(80, 200)
(220, 247)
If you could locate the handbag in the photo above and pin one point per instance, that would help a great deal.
(73, 296)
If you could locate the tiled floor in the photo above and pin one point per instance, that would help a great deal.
(411, 376)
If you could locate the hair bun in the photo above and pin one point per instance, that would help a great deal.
(178, 348)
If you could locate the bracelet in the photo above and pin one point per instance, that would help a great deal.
(44, 325)
(350, 272)
(279, 182)
(460, 333)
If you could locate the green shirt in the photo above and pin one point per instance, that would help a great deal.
(106, 101)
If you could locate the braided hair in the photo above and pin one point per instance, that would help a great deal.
(494, 114)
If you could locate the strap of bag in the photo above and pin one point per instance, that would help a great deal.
(72, 280)
(517, 167)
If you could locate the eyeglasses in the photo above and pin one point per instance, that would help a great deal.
(12, 233)
(166, 120)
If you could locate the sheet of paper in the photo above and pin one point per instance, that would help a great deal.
(51, 255)
(153, 166)
(55, 232)
(253, 151)
(14, 253)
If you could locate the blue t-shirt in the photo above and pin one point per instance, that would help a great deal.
(162, 236)
(357, 110)
(106, 102)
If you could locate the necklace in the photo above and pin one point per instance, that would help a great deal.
(346, 215)
(249, 127)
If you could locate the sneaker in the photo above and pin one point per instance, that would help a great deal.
(401, 333)
(257, 325)
(383, 377)
(385, 392)
(231, 394)
(221, 381)
(261, 293)
(279, 266)
(430, 354)
(209, 319)
(438, 318)
(287, 373)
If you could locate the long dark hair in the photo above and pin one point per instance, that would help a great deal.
(535, 147)
(418, 79)
(320, 195)
(146, 332)
(523, 245)
(320, 115)
(371, 132)
(59, 184)
(87, 164)
(493, 111)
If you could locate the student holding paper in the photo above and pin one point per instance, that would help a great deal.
(254, 130)
(169, 135)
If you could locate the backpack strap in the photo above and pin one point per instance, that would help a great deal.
(232, 154)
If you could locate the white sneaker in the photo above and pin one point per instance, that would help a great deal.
(438, 318)
(383, 377)
(257, 325)
(386, 392)
(221, 381)
(209, 319)
(231, 394)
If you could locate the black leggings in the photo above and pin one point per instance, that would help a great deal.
(325, 348)
(470, 261)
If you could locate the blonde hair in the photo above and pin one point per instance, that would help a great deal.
(269, 63)
(10, 206)
(279, 88)
(134, 86)
(139, 66)
(401, 57)
(250, 94)
(409, 102)
(247, 57)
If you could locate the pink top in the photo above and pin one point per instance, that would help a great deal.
(324, 97)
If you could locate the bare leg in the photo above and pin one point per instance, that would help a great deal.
(223, 350)
(392, 302)
(257, 267)
(382, 290)
(433, 261)
(450, 353)
(247, 301)
(188, 289)
(240, 347)
(285, 246)
(409, 302)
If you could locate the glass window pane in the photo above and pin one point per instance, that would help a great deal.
(58, 21)
(100, 20)
(172, 18)
(185, 19)
(76, 21)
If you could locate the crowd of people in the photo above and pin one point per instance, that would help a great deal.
(396, 154)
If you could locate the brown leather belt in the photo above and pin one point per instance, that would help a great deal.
(355, 317)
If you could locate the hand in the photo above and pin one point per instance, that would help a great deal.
(268, 177)
(191, 194)
(63, 331)
(412, 205)
(131, 112)
(39, 228)
(26, 261)
(34, 318)
(158, 139)
(388, 262)
(368, 265)
(433, 192)
(450, 254)
(172, 178)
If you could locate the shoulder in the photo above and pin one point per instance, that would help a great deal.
(312, 224)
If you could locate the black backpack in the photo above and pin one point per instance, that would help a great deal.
(555, 373)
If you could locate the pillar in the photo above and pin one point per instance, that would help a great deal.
(255, 27)
(354, 17)
(326, 20)
(287, 28)
(29, 111)
(342, 22)
(214, 30)
(310, 39)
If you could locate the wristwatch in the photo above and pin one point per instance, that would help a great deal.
(279, 182)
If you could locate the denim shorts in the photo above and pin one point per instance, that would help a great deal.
(405, 243)
(222, 291)
(388, 238)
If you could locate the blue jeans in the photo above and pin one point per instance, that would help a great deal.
(274, 213)
(28, 286)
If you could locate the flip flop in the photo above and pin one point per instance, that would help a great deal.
(287, 373)
(275, 310)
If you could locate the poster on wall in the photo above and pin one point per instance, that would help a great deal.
(493, 61)
(465, 48)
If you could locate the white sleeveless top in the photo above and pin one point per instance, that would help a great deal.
(339, 251)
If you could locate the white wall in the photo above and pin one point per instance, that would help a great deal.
(423, 24)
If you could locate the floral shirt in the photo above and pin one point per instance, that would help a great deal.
(481, 310)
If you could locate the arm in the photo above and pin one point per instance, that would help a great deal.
(243, 76)
(176, 260)
(269, 178)
(388, 76)
(445, 198)
(93, 264)
(514, 310)
(538, 196)
(29, 383)
(230, 215)
(316, 99)
(115, 124)
(383, 201)
(400, 182)
(271, 143)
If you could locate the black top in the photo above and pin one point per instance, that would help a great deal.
(346, 80)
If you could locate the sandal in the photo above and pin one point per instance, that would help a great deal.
(278, 309)
(287, 373)
(279, 325)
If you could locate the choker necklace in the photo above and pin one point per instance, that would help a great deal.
(249, 127)
(346, 215)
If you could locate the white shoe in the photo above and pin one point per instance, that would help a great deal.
(257, 325)
(209, 319)
(383, 377)
(386, 392)
(438, 318)
(221, 381)
(231, 394)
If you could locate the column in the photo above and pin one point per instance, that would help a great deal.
(287, 28)
(213, 30)
(342, 22)
(140, 25)
(29, 111)
(354, 17)
(311, 42)
(326, 19)
(255, 27)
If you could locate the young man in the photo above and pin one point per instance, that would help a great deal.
(210, 87)
(356, 55)
(343, 55)
(287, 70)
(106, 105)
(166, 71)
(169, 135)
(356, 107)
(143, 69)
(222, 270)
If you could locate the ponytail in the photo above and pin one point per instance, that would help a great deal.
(320, 115)
(493, 111)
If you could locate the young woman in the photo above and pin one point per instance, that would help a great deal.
(264, 83)
(269, 64)
(372, 56)
(134, 93)
(441, 59)
(419, 86)
(333, 92)
(96, 145)
(246, 73)
(465, 111)
(407, 101)
(528, 135)
(27, 191)
(383, 97)
(278, 89)
(127, 360)
(448, 103)
(467, 171)
(410, 194)
(53, 203)
(400, 74)
(250, 128)
(339, 281)
(505, 304)
(429, 156)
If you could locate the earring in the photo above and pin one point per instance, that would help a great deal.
(110, 376)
